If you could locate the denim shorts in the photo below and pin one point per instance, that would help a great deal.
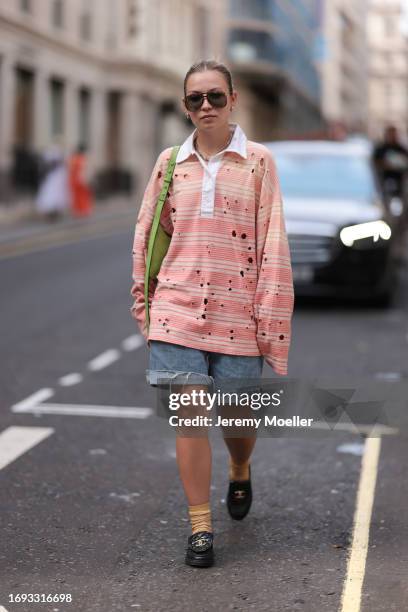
(181, 364)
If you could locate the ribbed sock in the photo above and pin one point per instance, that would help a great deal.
(200, 517)
(238, 471)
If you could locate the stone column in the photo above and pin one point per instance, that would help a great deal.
(98, 127)
(145, 141)
(7, 117)
(42, 110)
(129, 126)
(71, 118)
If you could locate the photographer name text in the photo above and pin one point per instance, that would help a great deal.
(267, 421)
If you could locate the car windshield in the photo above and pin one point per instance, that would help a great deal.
(325, 176)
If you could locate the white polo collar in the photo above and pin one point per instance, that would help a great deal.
(238, 145)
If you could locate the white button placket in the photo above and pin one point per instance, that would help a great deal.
(208, 187)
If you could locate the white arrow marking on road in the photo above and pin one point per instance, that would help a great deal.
(90, 410)
(14, 441)
(104, 360)
(133, 342)
(70, 379)
(33, 400)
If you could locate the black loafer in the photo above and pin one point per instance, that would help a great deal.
(239, 498)
(200, 551)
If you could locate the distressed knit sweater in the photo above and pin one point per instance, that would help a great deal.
(225, 284)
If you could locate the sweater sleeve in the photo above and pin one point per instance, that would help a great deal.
(140, 242)
(274, 297)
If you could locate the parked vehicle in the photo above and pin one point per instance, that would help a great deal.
(340, 232)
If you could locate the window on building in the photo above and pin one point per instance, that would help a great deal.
(347, 31)
(85, 26)
(23, 108)
(57, 108)
(114, 123)
(84, 116)
(389, 25)
(112, 26)
(25, 6)
(202, 30)
(388, 93)
(132, 18)
(251, 9)
(57, 13)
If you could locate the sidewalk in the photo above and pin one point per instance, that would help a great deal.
(20, 219)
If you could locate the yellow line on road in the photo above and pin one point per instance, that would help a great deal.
(351, 598)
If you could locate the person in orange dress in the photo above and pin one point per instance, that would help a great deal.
(81, 192)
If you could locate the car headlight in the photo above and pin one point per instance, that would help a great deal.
(373, 229)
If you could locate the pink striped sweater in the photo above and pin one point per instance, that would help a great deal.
(225, 284)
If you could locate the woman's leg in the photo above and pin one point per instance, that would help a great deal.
(193, 450)
(194, 463)
(240, 450)
(240, 447)
(193, 453)
(228, 368)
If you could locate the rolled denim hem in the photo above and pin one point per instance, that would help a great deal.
(178, 377)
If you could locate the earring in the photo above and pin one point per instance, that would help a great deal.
(188, 116)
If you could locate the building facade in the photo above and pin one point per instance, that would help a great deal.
(271, 49)
(388, 79)
(344, 63)
(103, 73)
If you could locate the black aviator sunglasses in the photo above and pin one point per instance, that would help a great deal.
(194, 101)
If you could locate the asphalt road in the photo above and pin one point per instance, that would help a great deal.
(91, 505)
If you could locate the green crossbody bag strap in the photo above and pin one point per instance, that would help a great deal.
(155, 226)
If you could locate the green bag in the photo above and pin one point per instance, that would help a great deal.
(159, 240)
(161, 246)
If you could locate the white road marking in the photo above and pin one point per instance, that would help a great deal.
(352, 448)
(351, 597)
(127, 497)
(15, 441)
(3, 609)
(372, 430)
(104, 360)
(71, 379)
(133, 342)
(90, 410)
(33, 400)
(388, 376)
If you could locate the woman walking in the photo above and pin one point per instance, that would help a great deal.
(223, 299)
(53, 196)
(81, 192)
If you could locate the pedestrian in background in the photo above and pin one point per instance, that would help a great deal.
(53, 196)
(80, 183)
(223, 299)
(390, 159)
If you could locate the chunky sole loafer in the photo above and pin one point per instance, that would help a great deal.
(239, 498)
(200, 551)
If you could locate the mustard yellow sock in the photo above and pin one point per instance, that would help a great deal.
(200, 517)
(238, 471)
